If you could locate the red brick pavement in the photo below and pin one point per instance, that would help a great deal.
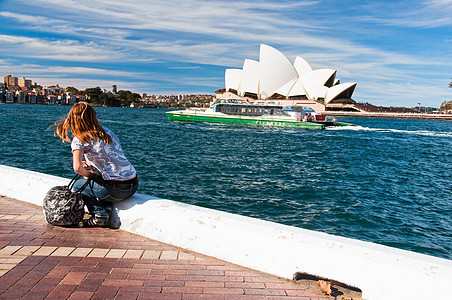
(41, 261)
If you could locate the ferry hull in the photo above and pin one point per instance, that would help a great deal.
(199, 117)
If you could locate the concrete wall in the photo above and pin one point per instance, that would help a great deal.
(381, 272)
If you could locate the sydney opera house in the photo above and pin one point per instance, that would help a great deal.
(275, 78)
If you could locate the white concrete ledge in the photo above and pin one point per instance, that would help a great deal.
(380, 272)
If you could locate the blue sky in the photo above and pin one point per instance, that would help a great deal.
(399, 52)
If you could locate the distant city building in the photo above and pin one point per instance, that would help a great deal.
(10, 81)
(52, 99)
(31, 98)
(80, 98)
(22, 82)
(8, 97)
(52, 90)
(21, 97)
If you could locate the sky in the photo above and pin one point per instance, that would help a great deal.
(399, 52)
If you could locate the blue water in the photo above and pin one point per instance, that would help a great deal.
(387, 181)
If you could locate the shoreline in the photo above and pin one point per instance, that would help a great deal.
(419, 116)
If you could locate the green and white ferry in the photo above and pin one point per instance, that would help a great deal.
(239, 111)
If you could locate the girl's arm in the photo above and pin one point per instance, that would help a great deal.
(79, 165)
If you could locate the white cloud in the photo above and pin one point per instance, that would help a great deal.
(68, 50)
(225, 33)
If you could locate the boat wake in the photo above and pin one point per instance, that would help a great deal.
(415, 132)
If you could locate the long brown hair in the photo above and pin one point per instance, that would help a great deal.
(83, 124)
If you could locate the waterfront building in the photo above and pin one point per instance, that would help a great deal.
(52, 99)
(52, 90)
(21, 96)
(275, 78)
(9, 97)
(31, 97)
(80, 98)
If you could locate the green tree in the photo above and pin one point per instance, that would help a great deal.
(127, 97)
(92, 94)
(111, 99)
(72, 89)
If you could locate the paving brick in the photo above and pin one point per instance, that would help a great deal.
(26, 250)
(169, 254)
(152, 296)
(81, 252)
(203, 296)
(90, 284)
(163, 283)
(224, 291)
(49, 262)
(133, 254)
(246, 297)
(61, 292)
(80, 295)
(206, 272)
(187, 256)
(267, 292)
(9, 250)
(74, 278)
(106, 292)
(243, 285)
(116, 253)
(205, 284)
(45, 250)
(151, 254)
(63, 251)
(32, 260)
(98, 252)
(182, 290)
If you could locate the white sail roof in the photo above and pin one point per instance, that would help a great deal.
(335, 91)
(314, 82)
(250, 78)
(297, 89)
(301, 66)
(232, 79)
(276, 71)
(285, 89)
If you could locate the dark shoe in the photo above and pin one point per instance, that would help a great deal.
(96, 221)
(113, 222)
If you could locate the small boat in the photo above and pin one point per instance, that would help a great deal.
(239, 111)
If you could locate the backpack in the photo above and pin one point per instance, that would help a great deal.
(62, 207)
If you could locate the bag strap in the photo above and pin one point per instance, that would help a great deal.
(77, 177)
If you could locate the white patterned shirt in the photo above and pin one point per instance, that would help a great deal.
(108, 159)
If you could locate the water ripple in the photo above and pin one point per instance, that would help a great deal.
(384, 180)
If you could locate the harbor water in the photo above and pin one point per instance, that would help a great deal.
(387, 181)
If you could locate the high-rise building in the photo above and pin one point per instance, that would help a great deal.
(10, 81)
(24, 82)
